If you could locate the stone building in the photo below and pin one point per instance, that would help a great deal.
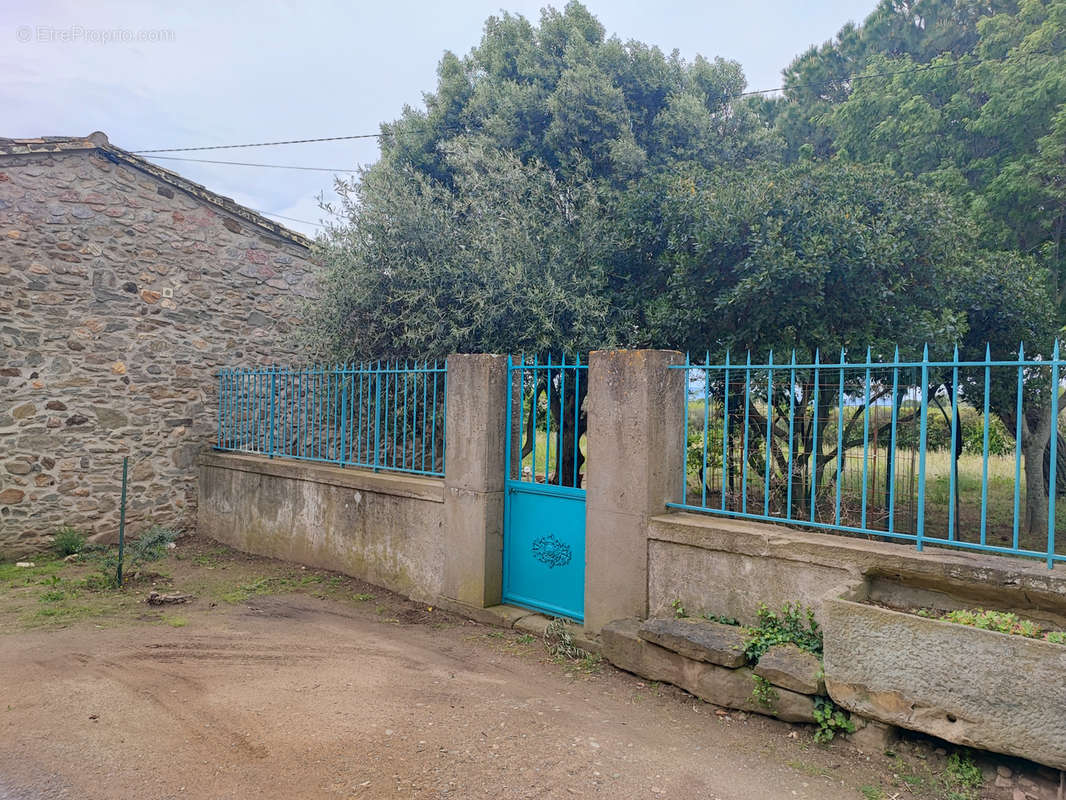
(123, 288)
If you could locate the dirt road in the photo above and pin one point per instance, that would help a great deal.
(293, 696)
(285, 682)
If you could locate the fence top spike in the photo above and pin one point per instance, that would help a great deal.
(955, 354)
(841, 355)
(925, 352)
(749, 358)
(869, 354)
(1055, 354)
(1021, 350)
(793, 356)
(988, 351)
(771, 359)
(816, 355)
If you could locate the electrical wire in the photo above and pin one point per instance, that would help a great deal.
(834, 82)
(248, 164)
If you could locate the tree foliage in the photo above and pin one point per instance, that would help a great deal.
(564, 190)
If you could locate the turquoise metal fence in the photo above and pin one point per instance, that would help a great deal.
(927, 451)
(383, 416)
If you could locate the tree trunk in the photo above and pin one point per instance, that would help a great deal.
(1060, 464)
(570, 459)
(1036, 436)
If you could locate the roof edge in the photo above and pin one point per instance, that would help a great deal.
(98, 141)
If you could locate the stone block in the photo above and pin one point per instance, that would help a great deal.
(787, 666)
(973, 687)
(732, 688)
(871, 736)
(698, 639)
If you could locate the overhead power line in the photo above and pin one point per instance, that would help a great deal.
(261, 144)
(248, 164)
(293, 219)
(816, 84)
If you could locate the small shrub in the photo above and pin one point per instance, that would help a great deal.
(150, 546)
(793, 624)
(764, 693)
(1056, 637)
(68, 541)
(679, 610)
(830, 720)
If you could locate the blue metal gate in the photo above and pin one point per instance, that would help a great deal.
(544, 502)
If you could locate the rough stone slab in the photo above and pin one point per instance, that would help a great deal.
(698, 639)
(732, 688)
(973, 687)
(787, 666)
(871, 736)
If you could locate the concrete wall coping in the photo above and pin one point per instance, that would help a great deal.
(417, 487)
(864, 558)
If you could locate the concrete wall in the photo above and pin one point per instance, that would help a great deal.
(386, 529)
(120, 296)
(728, 567)
(431, 539)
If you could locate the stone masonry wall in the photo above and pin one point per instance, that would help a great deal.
(120, 297)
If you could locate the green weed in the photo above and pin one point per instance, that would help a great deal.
(830, 720)
(764, 694)
(793, 624)
(68, 541)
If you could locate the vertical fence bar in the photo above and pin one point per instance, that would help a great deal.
(507, 426)
(706, 425)
(815, 449)
(840, 437)
(923, 435)
(221, 398)
(1052, 486)
(273, 405)
(406, 375)
(433, 432)
(747, 420)
(769, 432)
(725, 429)
(521, 411)
(377, 416)
(1018, 447)
(533, 424)
(444, 450)
(984, 446)
(562, 421)
(684, 441)
(342, 450)
(953, 463)
(865, 437)
(577, 415)
(892, 445)
(791, 433)
(548, 420)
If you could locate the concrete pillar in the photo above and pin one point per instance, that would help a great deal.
(474, 479)
(634, 468)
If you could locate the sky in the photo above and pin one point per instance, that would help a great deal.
(154, 74)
